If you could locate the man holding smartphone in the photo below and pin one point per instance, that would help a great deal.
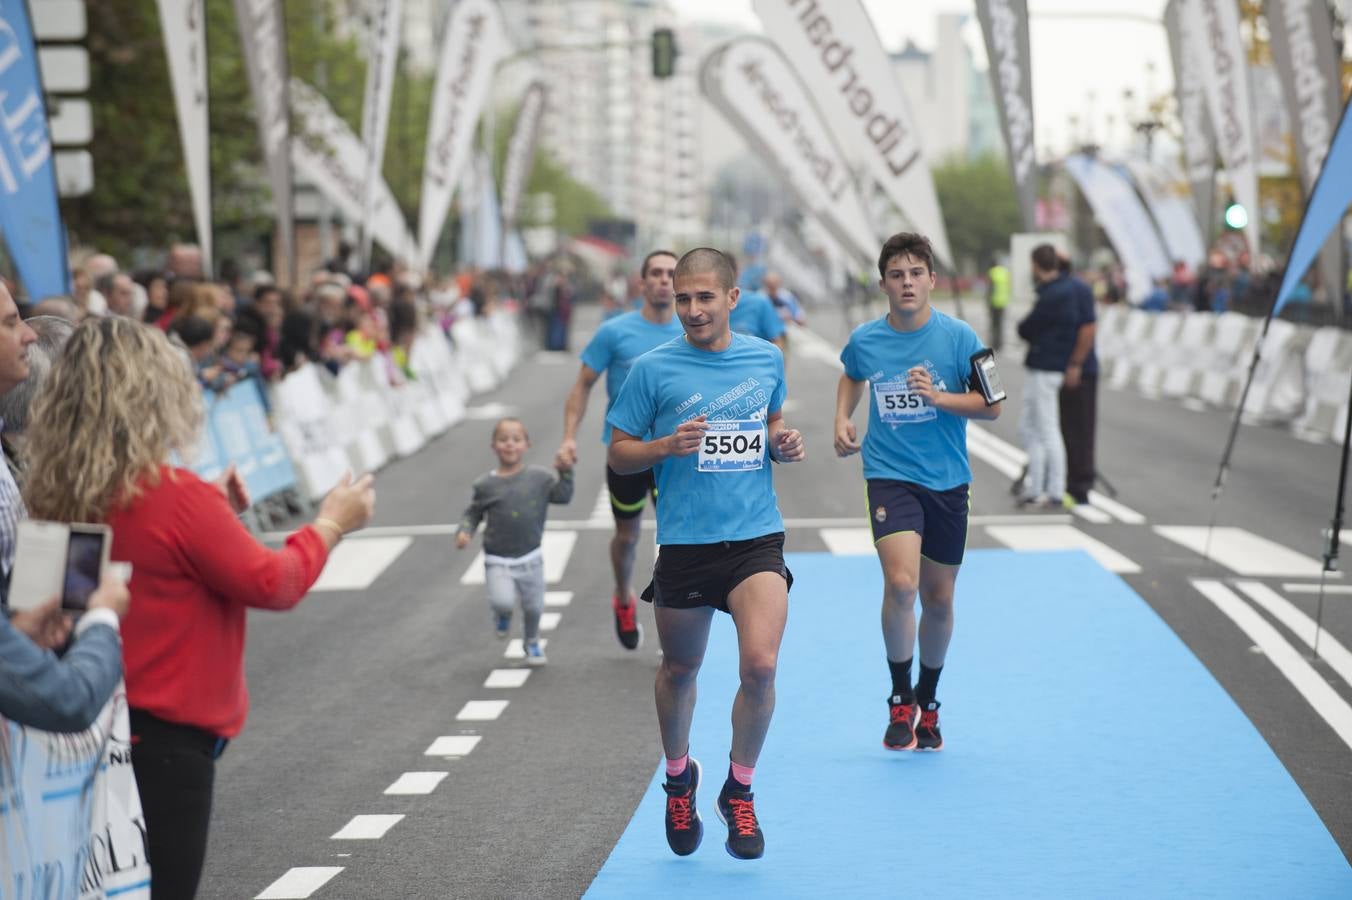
(920, 365)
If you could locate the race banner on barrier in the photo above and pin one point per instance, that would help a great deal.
(327, 153)
(1212, 28)
(836, 51)
(262, 33)
(474, 43)
(1325, 210)
(1004, 24)
(1307, 66)
(183, 23)
(237, 432)
(1125, 221)
(1199, 143)
(375, 113)
(30, 219)
(70, 815)
(751, 83)
(521, 151)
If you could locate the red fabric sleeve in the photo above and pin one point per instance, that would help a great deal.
(232, 563)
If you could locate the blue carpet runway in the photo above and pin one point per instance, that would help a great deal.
(1087, 753)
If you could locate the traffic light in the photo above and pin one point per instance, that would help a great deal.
(664, 53)
(1236, 216)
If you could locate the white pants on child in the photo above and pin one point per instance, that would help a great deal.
(520, 580)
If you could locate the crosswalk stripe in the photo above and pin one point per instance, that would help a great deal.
(355, 563)
(558, 598)
(506, 678)
(1062, 537)
(848, 541)
(600, 513)
(1303, 677)
(367, 828)
(299, 883)
(1301, 625)
(549, 621)
(1091, 514)
(557, 547)
(1244, 552)
(453, 745)
(416, 783)
(481, 710)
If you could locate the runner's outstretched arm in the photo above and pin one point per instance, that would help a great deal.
(628, 454)
(573, 411)
(848, 394)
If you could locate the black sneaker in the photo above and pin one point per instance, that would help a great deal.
(737, 810)
(684, 829)
(627, 628)
(900, 734)
(927, 736)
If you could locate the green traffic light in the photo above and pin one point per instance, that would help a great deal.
(1236, 216)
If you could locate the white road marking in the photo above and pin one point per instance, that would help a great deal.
(489, 411)
(558, 598)
(558, 547)
(549, 621)
(600, 514)
(481, 710)
(506, 678)
(808, 344)
(1301, 625)
(299, 883)
(1113, 508)
(992, 457)
(515, 650)
(356, 562)
(416, 783)
(1192, 404)
(1091, 513)
(453, 745)
(1330, 589)
(1311, 685)
(1061, 537)
(366, 828)
(848, 541)
(1244, 552)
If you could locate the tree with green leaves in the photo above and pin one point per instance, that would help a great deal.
(979, 207)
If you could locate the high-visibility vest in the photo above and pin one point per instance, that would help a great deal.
(1000, 286)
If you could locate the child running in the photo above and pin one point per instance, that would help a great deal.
(514, 499)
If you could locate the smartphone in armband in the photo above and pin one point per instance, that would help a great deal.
(987, 377)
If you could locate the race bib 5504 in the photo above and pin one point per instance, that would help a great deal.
(733, 446)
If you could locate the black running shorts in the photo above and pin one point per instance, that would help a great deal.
(939, 517)
(629, 493)
(688, 576)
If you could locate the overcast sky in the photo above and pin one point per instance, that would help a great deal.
(1078, 47)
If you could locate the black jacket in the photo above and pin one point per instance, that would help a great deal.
(1050, 329)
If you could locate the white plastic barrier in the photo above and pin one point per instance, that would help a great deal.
(475, 352)
(303, 409)
(1226, 363)
(1135, 348)
(1160, 352)
(1109, 336)
(1278, 391)
(358, 419)
(1327, 369)
(436, 366)
(1183, 376)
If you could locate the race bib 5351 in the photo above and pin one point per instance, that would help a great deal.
(733, 446)
(899, 405)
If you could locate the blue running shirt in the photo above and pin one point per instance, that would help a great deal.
(908, 439)
(617, 344)
(726, 491)
(755, 314)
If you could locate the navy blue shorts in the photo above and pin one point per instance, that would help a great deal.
(939, 517)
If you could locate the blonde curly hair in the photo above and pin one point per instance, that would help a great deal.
(119, 399)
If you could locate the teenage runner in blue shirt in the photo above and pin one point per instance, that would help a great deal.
(755, 315)
(917, 362)
(713, 400)
(613, 349)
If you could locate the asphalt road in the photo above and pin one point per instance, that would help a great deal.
(350, 689)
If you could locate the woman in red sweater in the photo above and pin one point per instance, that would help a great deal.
(118, 401)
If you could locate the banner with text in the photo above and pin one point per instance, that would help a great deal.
(474, 43)
(1328, 204)
(1212, 27)
(70, 815)
(262, 32)
(1166, 198)
(521, 151)
(183, 23)
(1125, 221)
(30, 218)
(837, 53)
(328, 154)
(751, 83)
(1301, 36)
(382, 54)
(1004, 24)
(1199, 142)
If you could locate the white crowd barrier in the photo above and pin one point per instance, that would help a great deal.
(1301, 380)
(363, 418)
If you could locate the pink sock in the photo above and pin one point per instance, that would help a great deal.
(742, 773)
(677, 766)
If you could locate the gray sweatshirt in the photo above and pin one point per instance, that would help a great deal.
(515, 508)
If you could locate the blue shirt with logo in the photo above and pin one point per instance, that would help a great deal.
(755, 315)
(617, 344)
(908, 439)
(738, 389)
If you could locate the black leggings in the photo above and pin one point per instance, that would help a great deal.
(175, 769)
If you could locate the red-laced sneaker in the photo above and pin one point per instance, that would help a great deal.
(684, 828)
(900, 734)
(627, 628)
(927, 736)
(737, 810)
